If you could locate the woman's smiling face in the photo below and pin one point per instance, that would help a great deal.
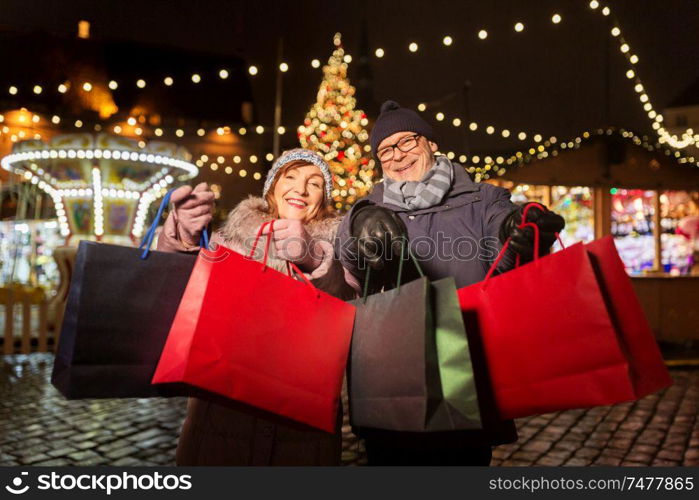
(299, 191)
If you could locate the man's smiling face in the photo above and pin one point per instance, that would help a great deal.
(411, 165)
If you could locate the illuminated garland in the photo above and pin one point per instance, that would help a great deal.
(688, 138)
(498, 165)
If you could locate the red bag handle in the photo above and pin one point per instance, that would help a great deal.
(257, 239)
(289, 265)
(300, 274)
(522, 224)
(543, 209)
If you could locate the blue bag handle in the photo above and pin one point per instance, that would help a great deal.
(150, 234)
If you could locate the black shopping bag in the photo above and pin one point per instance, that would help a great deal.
(118, 315)
(121, 304)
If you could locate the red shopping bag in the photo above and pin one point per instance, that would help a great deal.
(549, 337)
(647, 369)
(258, 336)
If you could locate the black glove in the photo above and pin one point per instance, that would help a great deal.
(522, 239)
(379, 233)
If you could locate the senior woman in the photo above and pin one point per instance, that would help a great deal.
(296, 196)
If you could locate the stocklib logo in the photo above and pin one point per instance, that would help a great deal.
(16, 488)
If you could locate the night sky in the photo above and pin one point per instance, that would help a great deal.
(550, 79)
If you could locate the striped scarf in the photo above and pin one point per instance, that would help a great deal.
(425, 193)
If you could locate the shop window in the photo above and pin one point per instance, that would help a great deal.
(574, 204)
(632, 228)
(26, 252)
(679, 212)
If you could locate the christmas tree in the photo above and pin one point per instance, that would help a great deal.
(335, 128)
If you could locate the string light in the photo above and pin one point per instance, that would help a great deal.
(315, 63)
(594, 4)
(281, 130)
(422, 106)
(681, 140)
(283, 67)
(259, 129)
(223, 74)
(141, 83)
(456, 122)
(413, 47)
(439, 117)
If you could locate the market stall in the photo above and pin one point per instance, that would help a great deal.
(613, 182)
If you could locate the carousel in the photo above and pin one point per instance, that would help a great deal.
(101, 185)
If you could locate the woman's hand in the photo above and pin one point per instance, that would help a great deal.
(293, 243)
(193, 210)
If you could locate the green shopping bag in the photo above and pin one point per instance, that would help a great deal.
(460, 399)
(410, 367)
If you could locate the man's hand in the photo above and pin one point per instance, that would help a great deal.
(379, 233)
(193, 211)
(293, 243)
(522, 239)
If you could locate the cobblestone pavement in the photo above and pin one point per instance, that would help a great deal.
(39, 427)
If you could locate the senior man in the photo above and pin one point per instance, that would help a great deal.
(454, 227)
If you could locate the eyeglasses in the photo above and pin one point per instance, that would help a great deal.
(406, 144)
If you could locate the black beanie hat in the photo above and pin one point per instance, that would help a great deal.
(394, 119)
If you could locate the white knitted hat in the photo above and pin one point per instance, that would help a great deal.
(304, 155)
